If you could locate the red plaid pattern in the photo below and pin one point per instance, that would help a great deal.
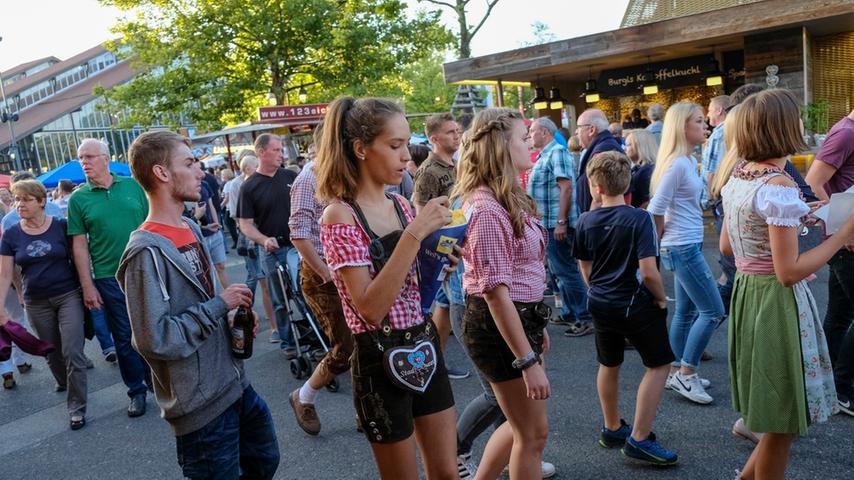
(347, 246)
(305, 209)
(494, 256)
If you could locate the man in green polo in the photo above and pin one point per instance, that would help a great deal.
(101, 215)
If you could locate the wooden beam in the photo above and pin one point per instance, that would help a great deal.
(727, 22)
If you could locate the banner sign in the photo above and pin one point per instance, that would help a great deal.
(672, 73)
(292, 114)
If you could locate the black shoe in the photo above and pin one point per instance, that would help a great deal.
(562, 320)
(846, 405)
(111, 357)
(456, 373)
(78, 424)
(59, 388)
(137, 406)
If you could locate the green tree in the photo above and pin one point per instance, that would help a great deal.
(216, 61)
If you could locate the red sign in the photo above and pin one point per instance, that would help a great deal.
(312, 113)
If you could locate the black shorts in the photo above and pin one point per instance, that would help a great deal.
(386, 411)
(485, 345)
(646, 329)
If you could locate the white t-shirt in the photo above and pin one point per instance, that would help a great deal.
(677, 198)
(232, 189)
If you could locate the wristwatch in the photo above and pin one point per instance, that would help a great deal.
(561, 222)
(527, 361)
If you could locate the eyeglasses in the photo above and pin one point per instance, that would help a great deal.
(583, 125)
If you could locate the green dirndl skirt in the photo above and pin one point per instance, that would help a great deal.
(779, 366)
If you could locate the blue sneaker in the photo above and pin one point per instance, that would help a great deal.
(615, 438)
(649, 450)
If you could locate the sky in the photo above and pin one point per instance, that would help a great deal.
(33, 29)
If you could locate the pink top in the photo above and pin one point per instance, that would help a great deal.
(305, 209)
(494, 256)
(347, 246)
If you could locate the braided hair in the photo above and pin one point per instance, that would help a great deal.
(485, 162)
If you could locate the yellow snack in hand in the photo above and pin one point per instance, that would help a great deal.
(457, 218)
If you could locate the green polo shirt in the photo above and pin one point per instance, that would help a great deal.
(107, 215)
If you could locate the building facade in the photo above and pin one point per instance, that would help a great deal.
(56, 109)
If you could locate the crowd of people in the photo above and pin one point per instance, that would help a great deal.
(594, 215)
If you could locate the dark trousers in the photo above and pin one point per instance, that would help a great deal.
(132, 367)
(240, 443)
(231, 226)
(839, 319)
(727, 262)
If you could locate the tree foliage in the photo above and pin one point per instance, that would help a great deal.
(218, 60)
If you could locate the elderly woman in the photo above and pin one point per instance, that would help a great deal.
(39, 245)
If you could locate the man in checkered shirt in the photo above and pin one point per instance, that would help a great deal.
(550, 184)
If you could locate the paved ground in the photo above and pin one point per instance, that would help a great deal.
(35, 442)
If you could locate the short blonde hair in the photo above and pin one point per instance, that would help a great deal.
(32, 188)
(612, 171)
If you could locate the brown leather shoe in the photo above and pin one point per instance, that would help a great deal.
(9, 381)
(25, 367)
(306, 414)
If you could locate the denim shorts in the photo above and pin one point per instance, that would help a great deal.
(386, 411)
(486, 346)
(216, 247)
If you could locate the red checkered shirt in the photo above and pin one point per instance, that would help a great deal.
(494, 256)
(347, 246)
(306, 210)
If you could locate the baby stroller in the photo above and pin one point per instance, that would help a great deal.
(311, 343)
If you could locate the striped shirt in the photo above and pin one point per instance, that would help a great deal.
(553, 163)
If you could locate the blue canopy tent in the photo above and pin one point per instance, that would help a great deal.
(74, 172)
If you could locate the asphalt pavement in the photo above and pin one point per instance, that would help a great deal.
(36, 443)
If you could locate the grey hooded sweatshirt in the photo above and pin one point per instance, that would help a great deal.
(180, 331)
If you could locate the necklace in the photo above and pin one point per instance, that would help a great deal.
(44, 220)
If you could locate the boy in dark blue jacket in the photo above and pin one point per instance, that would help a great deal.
(611, 243)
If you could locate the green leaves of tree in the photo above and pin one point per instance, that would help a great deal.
(217, 60)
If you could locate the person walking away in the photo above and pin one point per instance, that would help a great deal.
(320, 294)
(222, 427)
(623, 307)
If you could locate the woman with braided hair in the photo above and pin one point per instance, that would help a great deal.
(503, 325)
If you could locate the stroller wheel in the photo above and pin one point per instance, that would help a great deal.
(305, 366)
(333, 385)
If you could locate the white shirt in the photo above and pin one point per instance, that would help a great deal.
(677, 198)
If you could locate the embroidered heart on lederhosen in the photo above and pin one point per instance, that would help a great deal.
(411, 368)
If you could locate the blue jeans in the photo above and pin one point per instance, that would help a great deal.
(280, 301)
(132, 367)
(254, 269)
(699, 308)
(240, 443)
(102, 332)
(564, 267)
(727, 262)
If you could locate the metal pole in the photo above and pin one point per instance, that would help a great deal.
(14, 144)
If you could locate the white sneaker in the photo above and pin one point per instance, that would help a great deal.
(667, 385)
(466, 467)
(547, 469)
(690, 387)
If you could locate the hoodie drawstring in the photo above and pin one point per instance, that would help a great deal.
(159, 275)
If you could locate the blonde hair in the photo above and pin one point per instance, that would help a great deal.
(485, 161)
(347, 120)
(674, 142)
(645, 145)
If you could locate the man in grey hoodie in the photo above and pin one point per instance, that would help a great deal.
(180, 326)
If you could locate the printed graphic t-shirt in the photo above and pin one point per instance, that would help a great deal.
(189, 247)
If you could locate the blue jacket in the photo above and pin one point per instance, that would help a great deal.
(604, 142)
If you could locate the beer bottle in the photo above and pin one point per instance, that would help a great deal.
(242, 334)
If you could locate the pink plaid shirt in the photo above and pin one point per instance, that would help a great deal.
(305, 209)
(494, 256)
(347, 246)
